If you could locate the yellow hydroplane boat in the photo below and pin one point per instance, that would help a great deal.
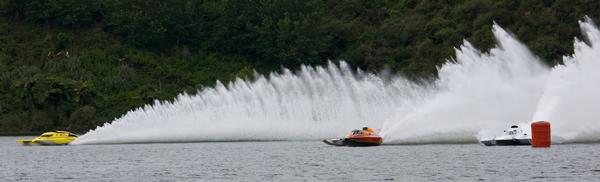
(51, 138)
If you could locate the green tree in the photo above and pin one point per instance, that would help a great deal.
(70, 13)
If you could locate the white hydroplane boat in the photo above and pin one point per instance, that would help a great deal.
(512, 136)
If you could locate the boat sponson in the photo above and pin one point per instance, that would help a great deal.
(335, 142)
(26, 142)
(506, 142)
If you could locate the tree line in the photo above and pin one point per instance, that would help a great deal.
(74, 64)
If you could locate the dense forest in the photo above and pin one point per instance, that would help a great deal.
(74, 64)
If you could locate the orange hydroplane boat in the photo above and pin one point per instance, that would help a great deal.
(365, 137)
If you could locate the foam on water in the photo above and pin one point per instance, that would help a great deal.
(476, 95)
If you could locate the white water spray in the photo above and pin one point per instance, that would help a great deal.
(477, 91)
(571, 100)
(314, 103)
(476, 95)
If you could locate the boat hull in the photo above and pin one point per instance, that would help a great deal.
(43, 142)
(363, 141)
(355, 141)
(506, 142)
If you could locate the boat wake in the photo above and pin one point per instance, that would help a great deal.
(314, 103)
(475, 91)
(476, 94)
(570, 99)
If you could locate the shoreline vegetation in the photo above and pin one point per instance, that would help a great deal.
(75, 64)
(32, 133)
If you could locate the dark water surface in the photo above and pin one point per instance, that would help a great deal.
(296, 161)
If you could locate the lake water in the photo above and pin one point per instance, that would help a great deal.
(296, 161)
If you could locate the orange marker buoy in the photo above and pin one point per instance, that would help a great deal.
(541, 134)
